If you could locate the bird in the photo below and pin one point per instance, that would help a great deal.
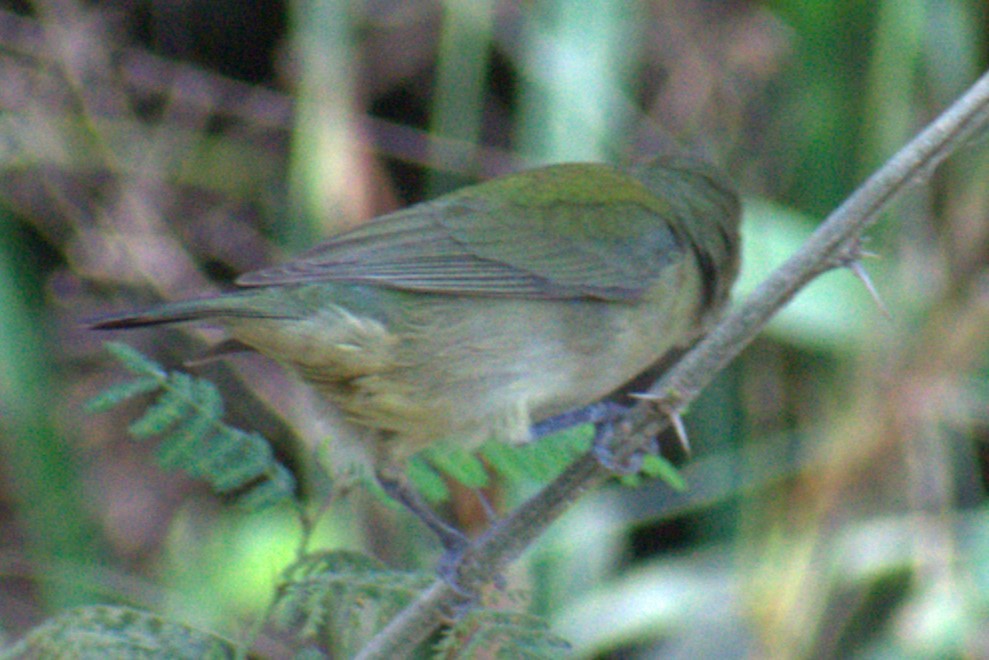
(491, 309)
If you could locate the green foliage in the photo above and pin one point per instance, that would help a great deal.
(489, 633)
(329, 604)
(463, 466)
(426, 479)
(187, 416)
(537, 462)
(336, 601)
(657, 467)
(104, 631)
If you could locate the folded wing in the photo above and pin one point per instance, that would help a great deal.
(531, 239)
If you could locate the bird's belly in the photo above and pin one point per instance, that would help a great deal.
(496, 367)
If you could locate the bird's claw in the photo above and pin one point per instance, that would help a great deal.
(606, 456)
(448, 570)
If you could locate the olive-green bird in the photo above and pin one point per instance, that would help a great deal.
(486, 310)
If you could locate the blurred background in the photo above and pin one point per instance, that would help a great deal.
(150, 149)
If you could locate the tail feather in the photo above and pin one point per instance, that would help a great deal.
(154, 316)
(186, 310)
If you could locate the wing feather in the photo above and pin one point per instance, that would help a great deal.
(543, 247)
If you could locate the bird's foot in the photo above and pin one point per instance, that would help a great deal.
(606, 455)
(604, 415)
(448, 569)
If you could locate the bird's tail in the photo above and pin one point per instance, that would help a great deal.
(223, 306)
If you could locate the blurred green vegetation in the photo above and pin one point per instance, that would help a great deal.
(836, 501)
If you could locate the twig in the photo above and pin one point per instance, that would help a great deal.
(833, 245)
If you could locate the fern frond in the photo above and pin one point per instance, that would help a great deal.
(232, 458)
(172, 406)
(501, 634)
(338, 600)
(116, 394)
(553, 454)
(104, 631)
(278, 484)
(186, 437)
(187, 416)
(134, 361)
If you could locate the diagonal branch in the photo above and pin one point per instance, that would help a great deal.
(833, 245)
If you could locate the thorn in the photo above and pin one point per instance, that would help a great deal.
(681, 431)
(860, 272)
(851, 258)
(668, 408)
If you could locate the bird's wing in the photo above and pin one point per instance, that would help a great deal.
(546, 246)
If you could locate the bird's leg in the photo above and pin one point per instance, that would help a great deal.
(398, 488)
(603, 415)
(596, 413)
(454, 542)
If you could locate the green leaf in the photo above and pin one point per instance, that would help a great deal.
(833, 313)
(507, 461)
(426, 480)
(164, 413)
(188, 417)
(231, 458)
(657, 466)
(277, 488)
(459, 464)
(117, 394)
(185, 440)
(539, 461)
(134, 361)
